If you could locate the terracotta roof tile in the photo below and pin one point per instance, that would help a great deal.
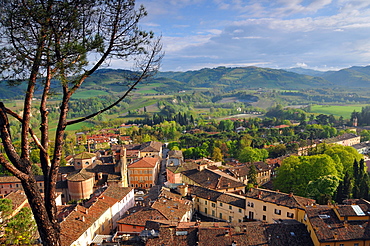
(215, 180)
(145, 162)
(328, 227)
(140, 217)
(288, 200)
(217, 196)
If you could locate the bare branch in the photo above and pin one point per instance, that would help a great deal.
(152, 64)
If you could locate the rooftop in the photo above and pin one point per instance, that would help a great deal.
(279, 198)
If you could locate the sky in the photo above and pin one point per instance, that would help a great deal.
(317, 34)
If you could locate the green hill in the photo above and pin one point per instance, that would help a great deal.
(353, 77)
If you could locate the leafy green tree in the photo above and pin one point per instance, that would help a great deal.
(45, 41)
(252, 176)
(21, 229)
(296, 172)
(323, 188)
(5, 208)
(277, 150)
(216, 154)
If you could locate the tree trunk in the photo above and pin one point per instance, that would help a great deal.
(49, 233)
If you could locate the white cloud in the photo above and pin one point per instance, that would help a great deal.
(301, 64)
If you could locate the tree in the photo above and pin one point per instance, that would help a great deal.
(252, 176)
(217, 154)
(296, 173)
(323, 188)
(44, 41)
(21, 229)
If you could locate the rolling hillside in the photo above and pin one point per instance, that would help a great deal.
(114, 81)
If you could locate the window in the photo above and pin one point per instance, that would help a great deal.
(341, 244)
(264, 208)
(230, 207)
(252, 204)
(205, 210)
(289, 215)
(205, 203)
(278, 211)
(220, 204)
(230, 219)
(356, 244)
(263, 217)
(240, 210)
(213, 212)
(220, 215)
(213, 205)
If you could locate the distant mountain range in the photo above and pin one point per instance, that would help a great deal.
(225, 79)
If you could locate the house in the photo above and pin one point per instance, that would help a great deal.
(241, 172)
(346, 139)
(173, 206)
(97, 216)
(212, 179)
(143, 173)
(362, 148)
(151, 149)
(215, 204)
(226, 234)
(173, 173)
(135, 219)
(174, 158)
(273, 206)
(339, 224)
(9, 184)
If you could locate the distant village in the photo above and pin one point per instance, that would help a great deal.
(146, 194)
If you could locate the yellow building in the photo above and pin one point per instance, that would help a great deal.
(272, 206)
(340, 225)
(215, 204)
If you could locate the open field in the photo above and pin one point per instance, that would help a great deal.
(337, 110)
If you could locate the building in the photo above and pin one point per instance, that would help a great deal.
(215, 204)
(264, 172)
(9, 184)
(143, 173)
(346, 139)
(151, 149)
(83, 160)
(82, 223)
(173, 173)
(174, 158)
(291, 233)
(362, 148)
(273, 206)
(212, 179)
(173, 206)
(340, 225)
(135, 219)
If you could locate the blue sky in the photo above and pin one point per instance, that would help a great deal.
(316, 34)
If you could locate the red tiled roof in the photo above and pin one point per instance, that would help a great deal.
(279, 198)
(145, 162)
(328, 227)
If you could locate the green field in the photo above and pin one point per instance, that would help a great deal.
(89, 93)
(344, 111)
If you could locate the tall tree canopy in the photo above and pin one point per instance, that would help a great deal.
(296, 172)
(51, 40)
